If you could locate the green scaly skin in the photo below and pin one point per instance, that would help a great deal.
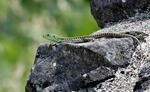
(52, 37)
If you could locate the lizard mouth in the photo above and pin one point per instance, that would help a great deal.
(53, 39)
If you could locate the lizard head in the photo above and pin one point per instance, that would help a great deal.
(52, 37)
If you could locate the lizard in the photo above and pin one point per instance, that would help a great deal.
(87, 38)
(79, 39)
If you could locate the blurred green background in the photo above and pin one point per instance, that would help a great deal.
(22, 23)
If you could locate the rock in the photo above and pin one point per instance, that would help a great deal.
(110, 11)
(61, 66)
(73, 67)
(102, 65)
(143, 84)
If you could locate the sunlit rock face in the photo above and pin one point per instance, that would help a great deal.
(110, 11)
(70, 67)
(101, 65)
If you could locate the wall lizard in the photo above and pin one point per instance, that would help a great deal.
(79, 39)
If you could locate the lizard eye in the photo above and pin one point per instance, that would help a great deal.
(53, 36)
(47, 34)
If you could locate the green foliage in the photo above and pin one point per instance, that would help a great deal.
(22, 24)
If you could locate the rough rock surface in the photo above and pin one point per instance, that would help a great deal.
(135, 77)
(103, 65)
(110, 11)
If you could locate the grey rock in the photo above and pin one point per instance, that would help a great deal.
(134, 78)
(102, 65)
(143, 84)
(61, 67)
(66, 67)
(110, 11)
